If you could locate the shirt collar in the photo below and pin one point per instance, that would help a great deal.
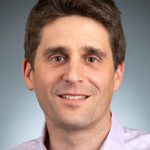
(114, 140)
(43, 138)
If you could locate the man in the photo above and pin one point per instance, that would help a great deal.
(74, 61)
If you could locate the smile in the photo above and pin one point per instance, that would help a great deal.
(73, 97)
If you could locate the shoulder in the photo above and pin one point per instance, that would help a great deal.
(137, 139)
(30, 145)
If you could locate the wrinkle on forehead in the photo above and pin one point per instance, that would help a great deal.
(75, 32)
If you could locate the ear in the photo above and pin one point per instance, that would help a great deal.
(27, 74)
(119, 73)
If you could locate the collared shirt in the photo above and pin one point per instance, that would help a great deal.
(119, 138)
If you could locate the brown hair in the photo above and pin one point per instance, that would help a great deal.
(103, 11)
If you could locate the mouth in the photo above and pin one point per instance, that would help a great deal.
(74, 100)
(74, 97)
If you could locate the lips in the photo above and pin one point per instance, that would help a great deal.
(73, 96)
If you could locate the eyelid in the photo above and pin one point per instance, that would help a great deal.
(54, 56)
(98, 58)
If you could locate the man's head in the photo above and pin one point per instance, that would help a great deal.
(70, 59)
(103, 11)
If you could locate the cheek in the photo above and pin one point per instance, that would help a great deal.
(44, 81)
(103, 80)
(42, 85)
(45, 78)
(103, 83)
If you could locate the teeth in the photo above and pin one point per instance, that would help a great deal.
(76, 97)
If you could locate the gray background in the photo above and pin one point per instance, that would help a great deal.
(21, 118)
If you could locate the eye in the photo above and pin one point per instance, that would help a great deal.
(91, 59)
(58, 58)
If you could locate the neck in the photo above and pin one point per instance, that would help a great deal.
(88, 138)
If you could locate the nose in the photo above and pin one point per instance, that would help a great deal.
(74, 72)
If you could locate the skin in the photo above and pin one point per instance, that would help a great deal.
(74, 58)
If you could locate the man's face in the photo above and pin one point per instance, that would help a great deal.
(74, 76)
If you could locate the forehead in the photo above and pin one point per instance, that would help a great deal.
(74, 32)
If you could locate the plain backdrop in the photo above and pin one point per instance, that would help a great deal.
(21, 118)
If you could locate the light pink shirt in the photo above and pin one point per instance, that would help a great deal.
(119, 138)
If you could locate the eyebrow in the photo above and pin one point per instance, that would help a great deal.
(94, 51)
(90, 50)
(54, 50)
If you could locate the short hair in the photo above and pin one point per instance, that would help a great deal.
(104, 11)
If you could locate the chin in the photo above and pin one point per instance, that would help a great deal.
(74, 123)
